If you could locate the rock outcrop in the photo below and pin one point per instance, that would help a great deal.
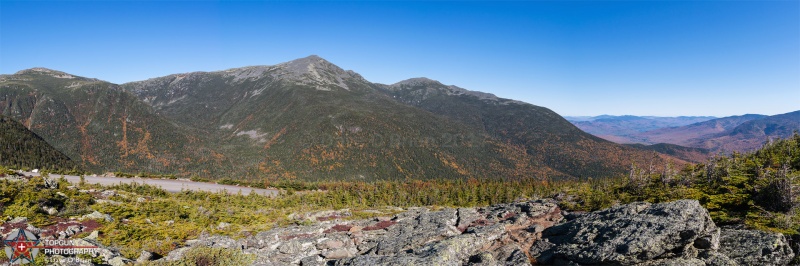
(674, 233)
(750, 247)
(499, 234)
(631, 234)
(522, 233)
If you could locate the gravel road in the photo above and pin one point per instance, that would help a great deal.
(166, 184)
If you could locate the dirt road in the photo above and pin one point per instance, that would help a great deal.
(166, 184)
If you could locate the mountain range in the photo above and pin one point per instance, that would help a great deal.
(305, 119)
(727, 134)
(609, 126)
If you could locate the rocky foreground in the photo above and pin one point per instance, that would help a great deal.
(524, 233)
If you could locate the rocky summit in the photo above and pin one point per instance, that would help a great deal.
(523, 233)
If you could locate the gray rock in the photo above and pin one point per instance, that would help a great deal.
(674, 262)
(312, 261)
(50, 210)
(331, 244)
(629, 234)
(18, 220)
(379, 260)
(751, 247)
(176, 254)
(223, 225)
(108, 194)
(98, 216)
(466, 216)
(454, 250)
(482, 259)
(715, 258)
(70, 231)
(419, 227)
(119, 261)
(511, 254)
(708, 242)
(339, 253)
(145, 256)
(290, 247)
(93, 235)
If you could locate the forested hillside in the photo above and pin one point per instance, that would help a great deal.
(101, 127)
(21, 148)
(306, 119)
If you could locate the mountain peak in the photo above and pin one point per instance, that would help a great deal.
(309, 64)
(316, 71)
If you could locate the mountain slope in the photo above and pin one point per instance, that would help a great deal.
(310, 119)
(100, 126)
(545, 136)
(19, 148)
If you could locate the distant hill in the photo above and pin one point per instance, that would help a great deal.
(734, 133)
(618, 128)
(305, 119)
(750, 135)
(19, 148)
(686, 134)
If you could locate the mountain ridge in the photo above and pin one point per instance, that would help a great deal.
(310, 119)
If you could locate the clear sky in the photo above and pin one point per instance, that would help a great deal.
(577, 58)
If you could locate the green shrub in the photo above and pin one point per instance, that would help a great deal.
(205, 256)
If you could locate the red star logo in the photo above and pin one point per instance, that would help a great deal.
(21, 246)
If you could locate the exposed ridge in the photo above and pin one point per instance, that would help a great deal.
(46, 71)
(437, 85)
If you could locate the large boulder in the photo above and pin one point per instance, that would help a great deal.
(751, 247)
(630, 234)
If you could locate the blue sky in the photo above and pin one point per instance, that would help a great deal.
(577, 57)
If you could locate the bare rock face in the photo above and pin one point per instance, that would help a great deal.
(631, 234)
(672, 233)
(521, 233)
(751, 247)
(498, 234)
